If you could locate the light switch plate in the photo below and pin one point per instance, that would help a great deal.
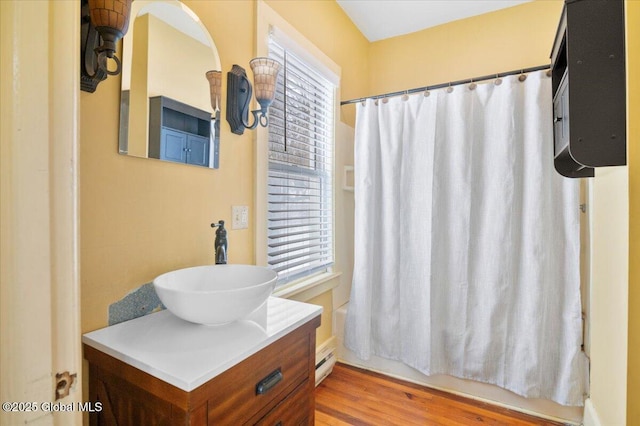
(240, 217)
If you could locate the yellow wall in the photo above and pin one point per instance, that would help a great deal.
(505, 40)
(141, 217)
(633, 93)
(178, 65)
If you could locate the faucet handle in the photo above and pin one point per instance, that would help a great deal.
(220, 224)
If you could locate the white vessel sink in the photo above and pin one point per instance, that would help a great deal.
(215, 294)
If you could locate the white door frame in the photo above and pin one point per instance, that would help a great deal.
(39, 290)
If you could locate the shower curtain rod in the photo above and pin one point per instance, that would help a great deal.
(451, 83)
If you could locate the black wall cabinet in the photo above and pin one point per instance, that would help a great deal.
(589, 87)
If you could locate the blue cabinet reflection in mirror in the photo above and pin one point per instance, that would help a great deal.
(180, 133)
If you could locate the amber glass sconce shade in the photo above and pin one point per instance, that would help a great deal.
(103, 23)
(265, 77)
(215, 87)
(239, 93)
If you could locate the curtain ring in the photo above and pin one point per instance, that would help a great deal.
(449, 89)
(473, 85)
(498, 80)
(385, 100)
(426, 92)
(405, 97)
(522, 76)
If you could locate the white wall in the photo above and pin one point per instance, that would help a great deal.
(609, 296)
(344, 214)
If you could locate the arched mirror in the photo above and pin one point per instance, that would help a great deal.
(169, 109)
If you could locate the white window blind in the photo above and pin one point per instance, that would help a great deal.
(300, 179)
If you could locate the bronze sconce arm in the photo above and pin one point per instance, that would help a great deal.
(103, 23)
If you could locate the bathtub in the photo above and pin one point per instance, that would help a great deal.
(475, 390)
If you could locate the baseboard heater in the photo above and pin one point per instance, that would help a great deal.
(325, 360)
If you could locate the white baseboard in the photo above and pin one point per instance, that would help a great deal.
(590, 415)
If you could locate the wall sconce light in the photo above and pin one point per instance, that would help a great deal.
(239, 91)
(103, 23)
(215, 88)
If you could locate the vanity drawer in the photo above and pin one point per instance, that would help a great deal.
(259, 383)
(293, 411)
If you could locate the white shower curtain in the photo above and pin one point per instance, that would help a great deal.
(467, 241)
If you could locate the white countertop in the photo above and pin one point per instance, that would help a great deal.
(188, 355)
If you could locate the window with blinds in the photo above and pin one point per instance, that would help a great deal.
(300, 185)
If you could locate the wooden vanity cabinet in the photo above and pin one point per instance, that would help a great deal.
(274, 386)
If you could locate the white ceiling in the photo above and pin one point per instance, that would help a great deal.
(380, 19)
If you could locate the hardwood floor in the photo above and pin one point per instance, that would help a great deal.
(352, 396)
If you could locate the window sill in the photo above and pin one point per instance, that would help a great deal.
(310, 287)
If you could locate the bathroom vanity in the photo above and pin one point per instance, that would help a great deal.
(159, 369)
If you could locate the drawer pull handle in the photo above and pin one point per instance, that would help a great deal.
(268, 382)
